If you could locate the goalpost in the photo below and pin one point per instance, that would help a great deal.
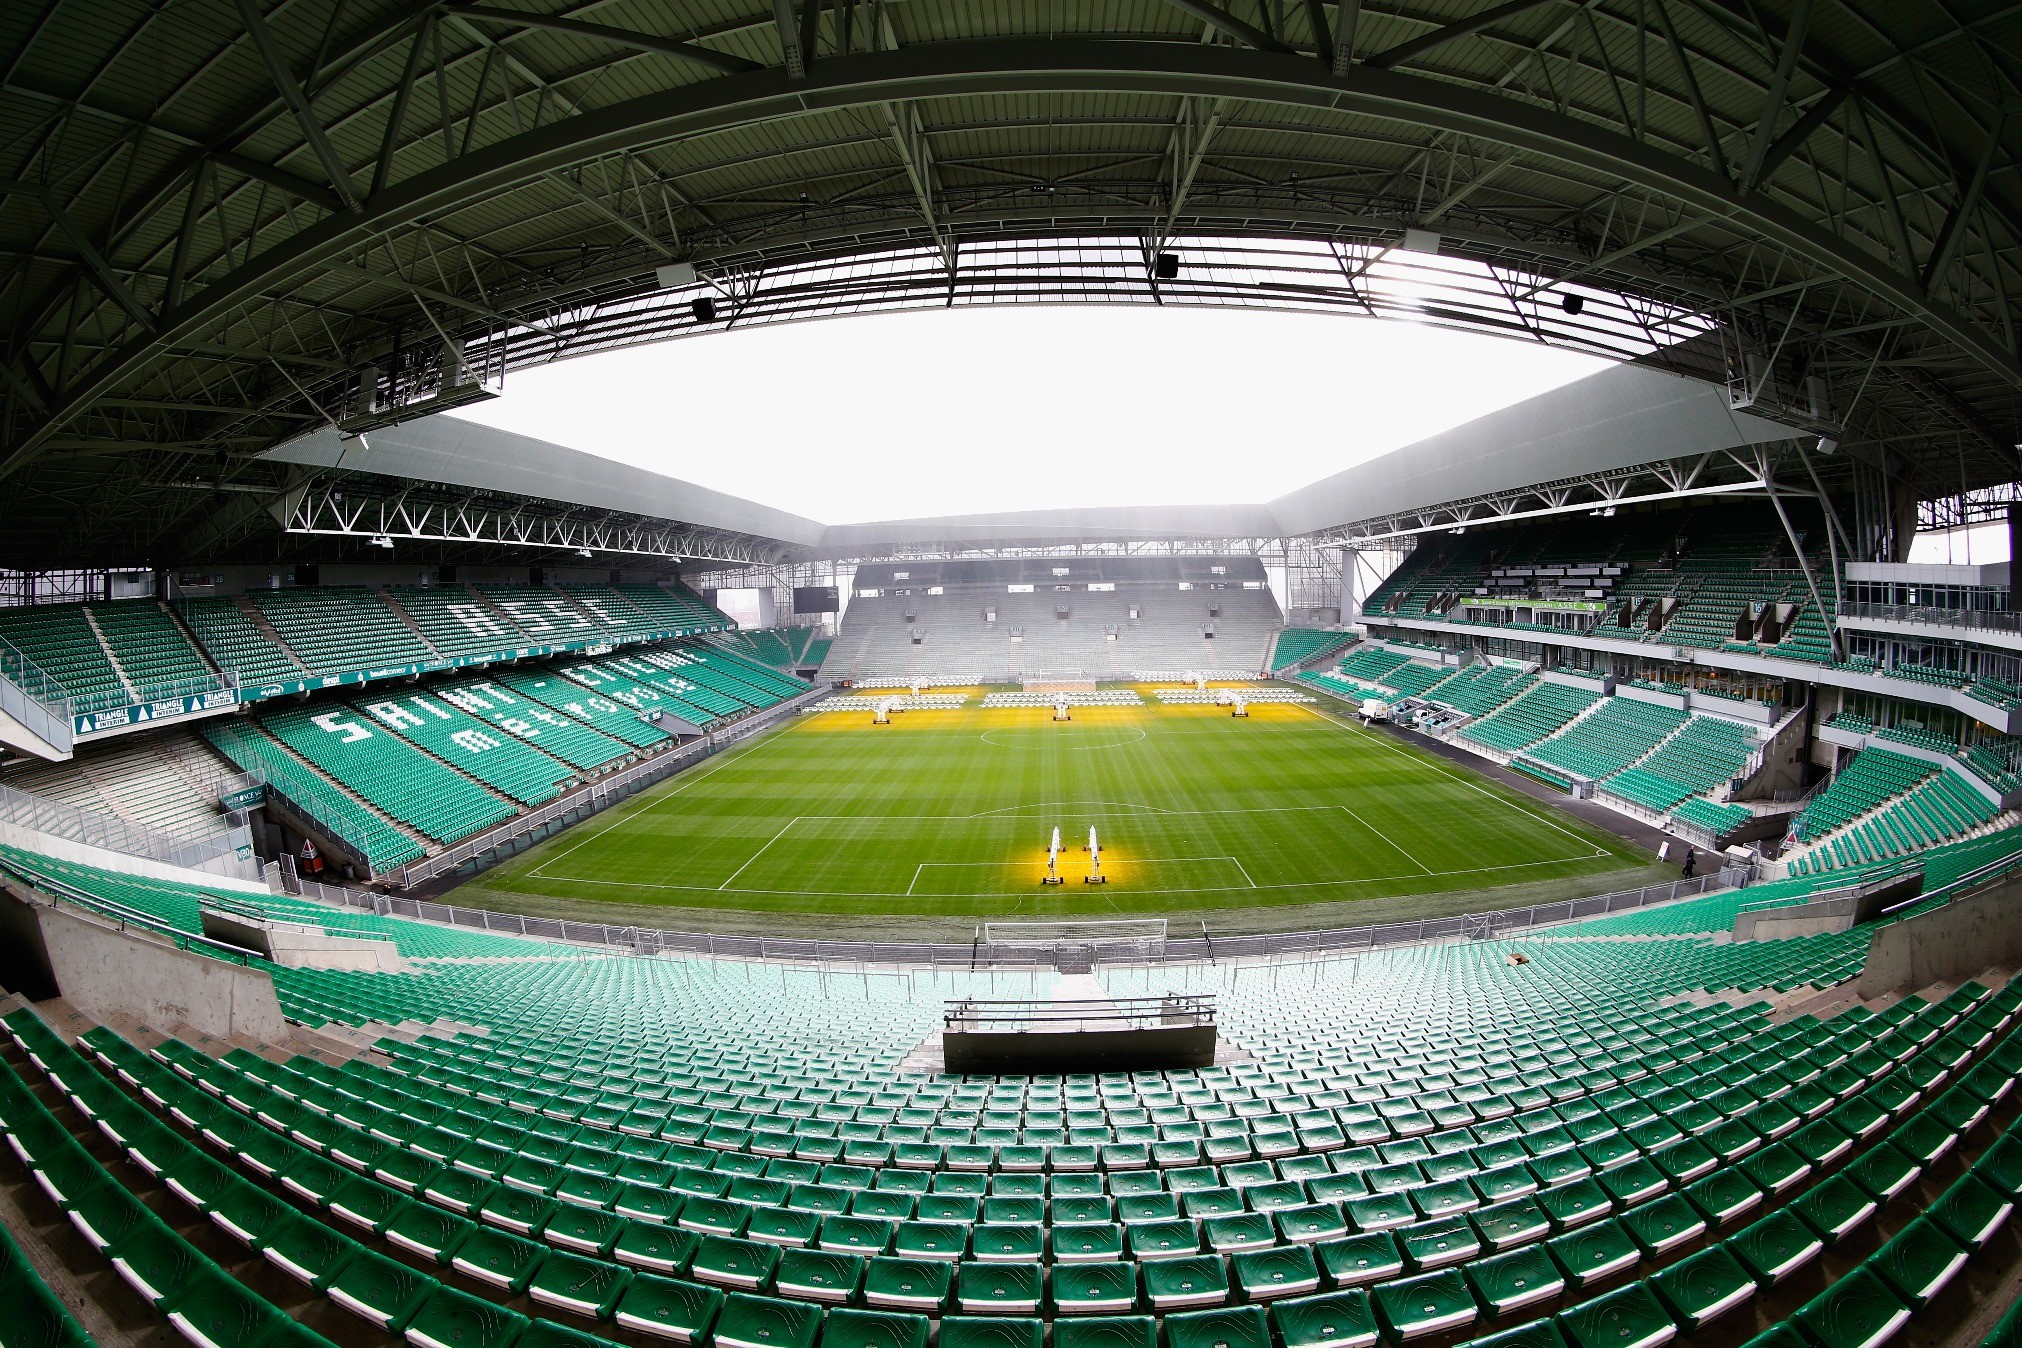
(1076, 942)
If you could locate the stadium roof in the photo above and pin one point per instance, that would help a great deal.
(226, 224)
(449, 481)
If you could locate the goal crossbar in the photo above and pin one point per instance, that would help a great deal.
(1089, 931)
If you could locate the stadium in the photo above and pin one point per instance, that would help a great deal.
(929, 674)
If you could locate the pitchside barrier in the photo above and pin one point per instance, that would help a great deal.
(1338, 940)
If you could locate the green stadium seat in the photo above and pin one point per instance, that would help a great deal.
(382, 1291)
(1431, 1303)
(1590, 1254)
(1093, 1288)
(922, 1285)
(1231, 1327)
(1628, 1317)
(1358, 1261)
(453, 1319)
(1185, 1283)
(668, 1308)
(1283, 1271)
(1516, 1278)
(499, 1258)
(1703, 1286)
(579, 1284)
(1530, 1334)
(1858, 1311)
(1970, 1211)
(1774, 1247)
(748, 1321)
(991, 1331)
(1341, 1319)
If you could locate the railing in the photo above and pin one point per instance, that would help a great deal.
(1467, 926)
(33, 698)
(124, 918)
(195, 685)
(599, 795)
(973, 1014)
(219, 852)
(301, 793)
(1974, 619)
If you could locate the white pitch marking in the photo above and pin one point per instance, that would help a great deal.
(761, 851)
(1393, 846)
(1433, 761)
(687, 779)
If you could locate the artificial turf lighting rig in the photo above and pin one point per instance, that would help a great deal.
(1095, 875)
(1053, 875)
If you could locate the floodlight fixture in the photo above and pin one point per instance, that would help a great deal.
(381, 541)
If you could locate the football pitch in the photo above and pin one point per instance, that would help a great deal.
(948, 814)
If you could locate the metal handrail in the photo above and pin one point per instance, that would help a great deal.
(39, 814)
(31, 678)
(58, 892)
(187, 686)
(1927, 616)
(970, 1013)
(1472, 926)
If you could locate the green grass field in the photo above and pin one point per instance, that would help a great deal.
(947, 815)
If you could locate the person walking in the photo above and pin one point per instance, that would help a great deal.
(1691, 861)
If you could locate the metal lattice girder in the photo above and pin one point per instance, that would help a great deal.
(1672, 480)
(346, 512)
(1832, 187)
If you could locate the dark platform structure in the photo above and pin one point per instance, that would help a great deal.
(1049, 1037)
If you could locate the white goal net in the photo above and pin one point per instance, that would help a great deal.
(1057, 681)
(1095, 940)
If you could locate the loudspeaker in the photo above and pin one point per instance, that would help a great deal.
(1166, 266)
(704, 309)
(1572, 304)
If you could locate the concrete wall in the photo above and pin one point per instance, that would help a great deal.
(106, 972)
(1954, 942)
(300, 947)
(24, 962)
(63, 849)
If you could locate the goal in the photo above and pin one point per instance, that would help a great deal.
(1075, 946)
(1057, 681)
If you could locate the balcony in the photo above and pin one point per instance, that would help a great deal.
(1986, 628)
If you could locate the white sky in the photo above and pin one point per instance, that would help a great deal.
(955, 411)
(1974, 545)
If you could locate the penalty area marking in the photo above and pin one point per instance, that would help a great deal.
(1112, 864)
(1446, 772)
(1424, 872)
(688, 779)
(827, 894)
(761, 851)
(1138, 731)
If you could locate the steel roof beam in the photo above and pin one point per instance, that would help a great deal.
(101, 271)
(1014, 66)
(298, 102)
(596, 32)
(1439, 37)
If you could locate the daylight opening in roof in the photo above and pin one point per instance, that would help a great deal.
(911, 414)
